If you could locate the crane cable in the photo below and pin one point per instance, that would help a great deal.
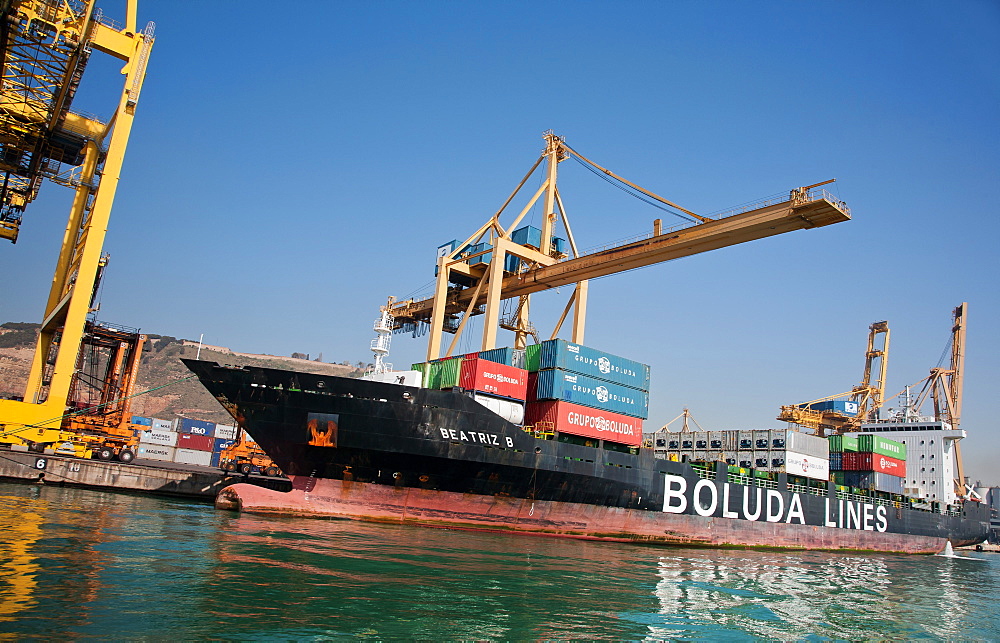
(604, 173)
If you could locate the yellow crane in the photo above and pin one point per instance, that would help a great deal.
(45, 47)
(476, 277)
(865, 399)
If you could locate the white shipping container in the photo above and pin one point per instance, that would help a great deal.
(163, 425)
(807, 444)
(156, 436)
(155, 452)
(192, 456)
(225, 431)
(807, 466)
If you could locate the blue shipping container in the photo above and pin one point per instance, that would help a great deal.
(498, 355)
(138, 419)
(222, 443)
(836, 461)
(555, 384)
(196, 427)
(216, 458)
(576, 358)
(839, 406)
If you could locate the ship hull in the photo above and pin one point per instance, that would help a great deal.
(390, 453)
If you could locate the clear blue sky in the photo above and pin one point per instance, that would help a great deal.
(293, 165)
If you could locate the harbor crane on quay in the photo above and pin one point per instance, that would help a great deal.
(498, 263)
(45, 46)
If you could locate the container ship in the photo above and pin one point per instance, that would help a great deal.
(546, 437)
(392, 452)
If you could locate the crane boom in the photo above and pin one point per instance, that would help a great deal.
(811, 211)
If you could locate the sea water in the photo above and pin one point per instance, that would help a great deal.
(77, 564)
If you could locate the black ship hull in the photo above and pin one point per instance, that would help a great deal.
(378, 451)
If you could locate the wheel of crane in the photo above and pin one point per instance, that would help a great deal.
(271, 471)
(245, 469)
(105, 453)
(229, 466)
(126, 455)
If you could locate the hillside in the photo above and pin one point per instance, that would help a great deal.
(160, 372)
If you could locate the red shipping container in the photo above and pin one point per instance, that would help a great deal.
(566, 417)
(493, 378)
(196, 442)
(881, 464)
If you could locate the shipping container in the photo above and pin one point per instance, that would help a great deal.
(510, 410)
(222, 443)
(554, 384)
(155, 452)
(807, 465)
(216, 458)
(874, 481)
(869, 443)
(196, 442)
(193, 456)
(836, 461)
(838, 406)
(498, 355)
(806, 444)
(196, 427)
(532, 357)
(517, 358)
(880, 463)
(566, 417)
(493, 378)
(158, 437)
(576, 358)
(138, 419)
(446, 373)
(226, 431)
(162, 425)
(424, 368)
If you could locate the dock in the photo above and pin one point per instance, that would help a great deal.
(141, 476)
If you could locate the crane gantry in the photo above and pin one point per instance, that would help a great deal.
(472, 283)
(45, 46)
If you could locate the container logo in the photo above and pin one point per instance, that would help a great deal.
(604, 364)
(503, 379)
(602, 394)
(572, 348)
(197, 430)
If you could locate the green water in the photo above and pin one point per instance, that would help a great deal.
(78, 564)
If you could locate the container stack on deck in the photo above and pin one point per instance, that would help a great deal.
(772, 450)
(556, 386)
(582, 391)
(868, 462)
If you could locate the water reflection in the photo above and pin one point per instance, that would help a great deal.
(80, 564)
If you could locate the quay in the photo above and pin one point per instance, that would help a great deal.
(144, 476)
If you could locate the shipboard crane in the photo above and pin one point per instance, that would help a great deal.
(44, 47)
(475, 277)
(865, 399)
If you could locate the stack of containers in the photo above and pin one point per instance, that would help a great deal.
(195, 442)
(159, 442)
(586, 392)
(839, 445)
(498, 386)
(879, 464)
(807, 455)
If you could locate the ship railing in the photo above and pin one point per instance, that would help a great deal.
(748, 481)
(801, 488)
(705, 474)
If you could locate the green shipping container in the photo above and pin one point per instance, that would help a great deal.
(532, 357)
(425, 373)
(448, 373)
(882, 446)
(842, 443)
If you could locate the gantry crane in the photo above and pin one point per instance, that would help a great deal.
(865, 399)
(45, 46)
(476, 276)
